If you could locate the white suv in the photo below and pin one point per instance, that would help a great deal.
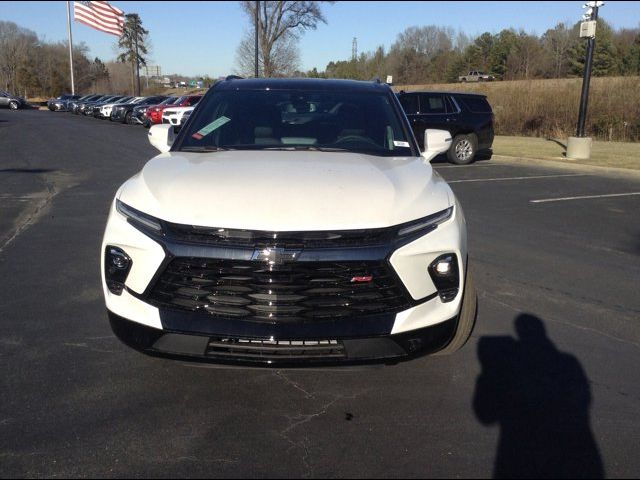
(290, 222)
(176, 115)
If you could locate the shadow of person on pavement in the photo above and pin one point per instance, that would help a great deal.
(540, 398)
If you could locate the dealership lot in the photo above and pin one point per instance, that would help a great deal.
(559, 245)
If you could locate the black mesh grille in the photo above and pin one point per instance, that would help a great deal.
(289, 292)
(275, 349)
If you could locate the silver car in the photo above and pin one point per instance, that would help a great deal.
(14, 102)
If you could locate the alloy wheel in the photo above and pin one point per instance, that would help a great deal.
(464, 150)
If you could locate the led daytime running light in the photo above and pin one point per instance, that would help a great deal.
(139, 217)
(430, 221)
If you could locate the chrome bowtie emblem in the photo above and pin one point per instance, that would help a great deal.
(275, 255)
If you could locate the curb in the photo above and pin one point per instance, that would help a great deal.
(568, 164)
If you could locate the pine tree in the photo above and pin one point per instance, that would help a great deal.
(133, 44)
(605, 56)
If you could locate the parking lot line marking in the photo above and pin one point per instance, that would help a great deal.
(530, 177)
(584, 197)
(474, 166)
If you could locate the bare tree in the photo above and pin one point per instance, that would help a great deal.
(557, 43)
(16, 43)
(414, 50)
(284, 57)
(426, 41)
(280, 25)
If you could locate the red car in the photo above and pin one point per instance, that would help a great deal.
(154, 113)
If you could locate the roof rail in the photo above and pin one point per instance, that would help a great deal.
(233, 77)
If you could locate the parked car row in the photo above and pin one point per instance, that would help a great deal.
(466, 116)
(128, 109)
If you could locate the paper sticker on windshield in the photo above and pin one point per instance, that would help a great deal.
(217, 123)
(398, 143)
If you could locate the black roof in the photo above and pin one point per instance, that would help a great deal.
(446, 92)
(301, 84)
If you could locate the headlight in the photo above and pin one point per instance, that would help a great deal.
(137, 218)
(426, 224)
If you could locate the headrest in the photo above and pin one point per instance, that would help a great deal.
(263, 132)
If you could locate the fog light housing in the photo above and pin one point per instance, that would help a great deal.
(116, 268)
(445, 275)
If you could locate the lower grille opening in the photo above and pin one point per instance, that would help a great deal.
(275, 349)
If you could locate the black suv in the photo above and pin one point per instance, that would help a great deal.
(467, 116)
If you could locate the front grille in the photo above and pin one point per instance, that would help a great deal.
(287, 240)
(277, 350)
(297, 292)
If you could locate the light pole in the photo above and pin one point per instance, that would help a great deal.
(73, 85)
(579, 147)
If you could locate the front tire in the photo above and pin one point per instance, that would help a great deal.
(13, 105)
(463, 149)
(127, 118)
(467, 318)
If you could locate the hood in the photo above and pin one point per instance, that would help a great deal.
(286, 191)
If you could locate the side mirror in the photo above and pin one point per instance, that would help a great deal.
(436, 142)
(162, 137)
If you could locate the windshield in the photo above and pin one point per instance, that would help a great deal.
(362, 122)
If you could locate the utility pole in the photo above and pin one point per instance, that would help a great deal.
(579, 147)
(257, 32)
(354, 49)
(135, 32)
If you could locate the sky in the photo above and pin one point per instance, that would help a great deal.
(200, 38)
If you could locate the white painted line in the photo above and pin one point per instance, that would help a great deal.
(474, 166)
(518, 178)
(584, 197)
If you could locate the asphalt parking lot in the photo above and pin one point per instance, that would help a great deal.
(548, 385)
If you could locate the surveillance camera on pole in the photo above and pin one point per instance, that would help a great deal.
(579, 147)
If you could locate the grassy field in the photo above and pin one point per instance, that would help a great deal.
(605, 154)
(549, 108)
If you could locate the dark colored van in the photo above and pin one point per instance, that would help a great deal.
(467, 116)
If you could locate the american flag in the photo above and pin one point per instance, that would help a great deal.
(99, 15)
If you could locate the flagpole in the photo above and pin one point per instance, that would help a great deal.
(73, 87)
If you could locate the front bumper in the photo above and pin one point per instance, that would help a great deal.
(138, 117)
(233, 349)
(117, 115)
(423, 325)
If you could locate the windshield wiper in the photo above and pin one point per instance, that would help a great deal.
(313, 148)
(205, 148)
